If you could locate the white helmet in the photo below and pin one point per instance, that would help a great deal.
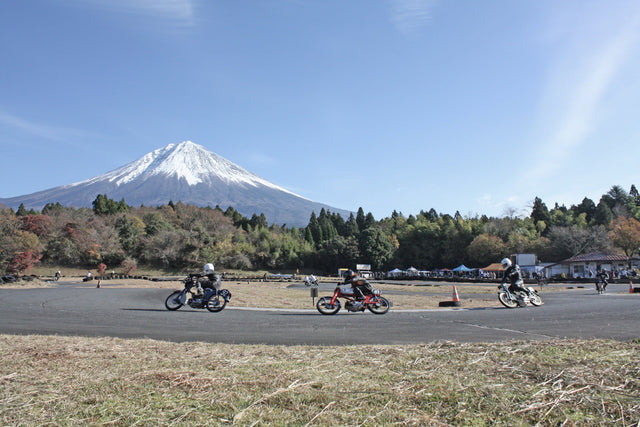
(208, 268)
(506, 263)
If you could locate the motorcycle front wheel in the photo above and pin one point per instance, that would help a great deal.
(324, 306)
(535, 299)
(173, 301)
(381, 306)
(506, 301)
(216, 303)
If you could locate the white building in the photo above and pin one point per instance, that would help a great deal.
(586, 266)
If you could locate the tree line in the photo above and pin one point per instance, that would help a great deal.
(178, 236)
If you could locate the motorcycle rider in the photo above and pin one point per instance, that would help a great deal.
(512, 275)
(601, 277)
(359, 284)
(310, 280)
(210, 279)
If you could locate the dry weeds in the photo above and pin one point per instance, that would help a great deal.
(48, 380)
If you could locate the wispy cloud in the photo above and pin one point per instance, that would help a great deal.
(43, 131)
(586, 85)
(409, 16)
(180, 12)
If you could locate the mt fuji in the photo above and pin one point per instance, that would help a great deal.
(189, 173)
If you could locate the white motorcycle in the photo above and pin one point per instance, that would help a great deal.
(518, 299)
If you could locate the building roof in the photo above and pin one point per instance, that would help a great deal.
(595, 257)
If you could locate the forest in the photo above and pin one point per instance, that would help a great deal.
(175, 236)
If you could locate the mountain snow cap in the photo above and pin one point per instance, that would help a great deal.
(186, 160)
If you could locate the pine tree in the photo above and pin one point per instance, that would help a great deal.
(539, 211)
(360, 219)
(22, 211)
(603, 215)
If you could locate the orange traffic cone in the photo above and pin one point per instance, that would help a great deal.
(98, 284)
(630, 287)
(455, 294)
(454, 303)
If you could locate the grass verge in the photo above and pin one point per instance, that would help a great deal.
(50, 380)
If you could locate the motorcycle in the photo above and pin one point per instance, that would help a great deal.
(513, 300)
(310, 281)
(601, 286)
(211, 299)
(373, 301)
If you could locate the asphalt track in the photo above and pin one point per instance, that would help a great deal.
(140, 313)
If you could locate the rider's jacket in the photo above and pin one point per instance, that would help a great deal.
(360, 283)
(211, 280)
(512, 274)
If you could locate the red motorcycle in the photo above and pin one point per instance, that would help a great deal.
(373, 301)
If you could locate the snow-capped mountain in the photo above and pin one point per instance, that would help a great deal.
(185, 172)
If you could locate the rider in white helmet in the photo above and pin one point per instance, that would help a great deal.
(209, 279)
(209, 268)
(213, 278)
(513, 276)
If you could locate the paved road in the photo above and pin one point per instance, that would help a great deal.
(140, 313)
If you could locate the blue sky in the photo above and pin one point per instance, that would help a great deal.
(407, 105)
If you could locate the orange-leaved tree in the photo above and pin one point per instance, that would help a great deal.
(625, 234)
(26, 252)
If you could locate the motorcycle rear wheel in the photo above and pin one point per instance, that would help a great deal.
(379, 307)
(324, 306)
(172, 302)
(504, 300)
(216, 303)
(535, 299)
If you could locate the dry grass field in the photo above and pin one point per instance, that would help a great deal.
(50, 380)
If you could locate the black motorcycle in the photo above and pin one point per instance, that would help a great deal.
(209, 298)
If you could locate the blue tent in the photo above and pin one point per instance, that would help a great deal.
(462, 268)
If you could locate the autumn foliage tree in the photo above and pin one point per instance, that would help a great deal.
(27, 251)
(129, 266)
(178, 236)
(625, 234)
(486, 249)
(20, 249)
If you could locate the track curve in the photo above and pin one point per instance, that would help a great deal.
(140, 313)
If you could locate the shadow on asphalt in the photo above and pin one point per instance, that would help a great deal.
(153, 309)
